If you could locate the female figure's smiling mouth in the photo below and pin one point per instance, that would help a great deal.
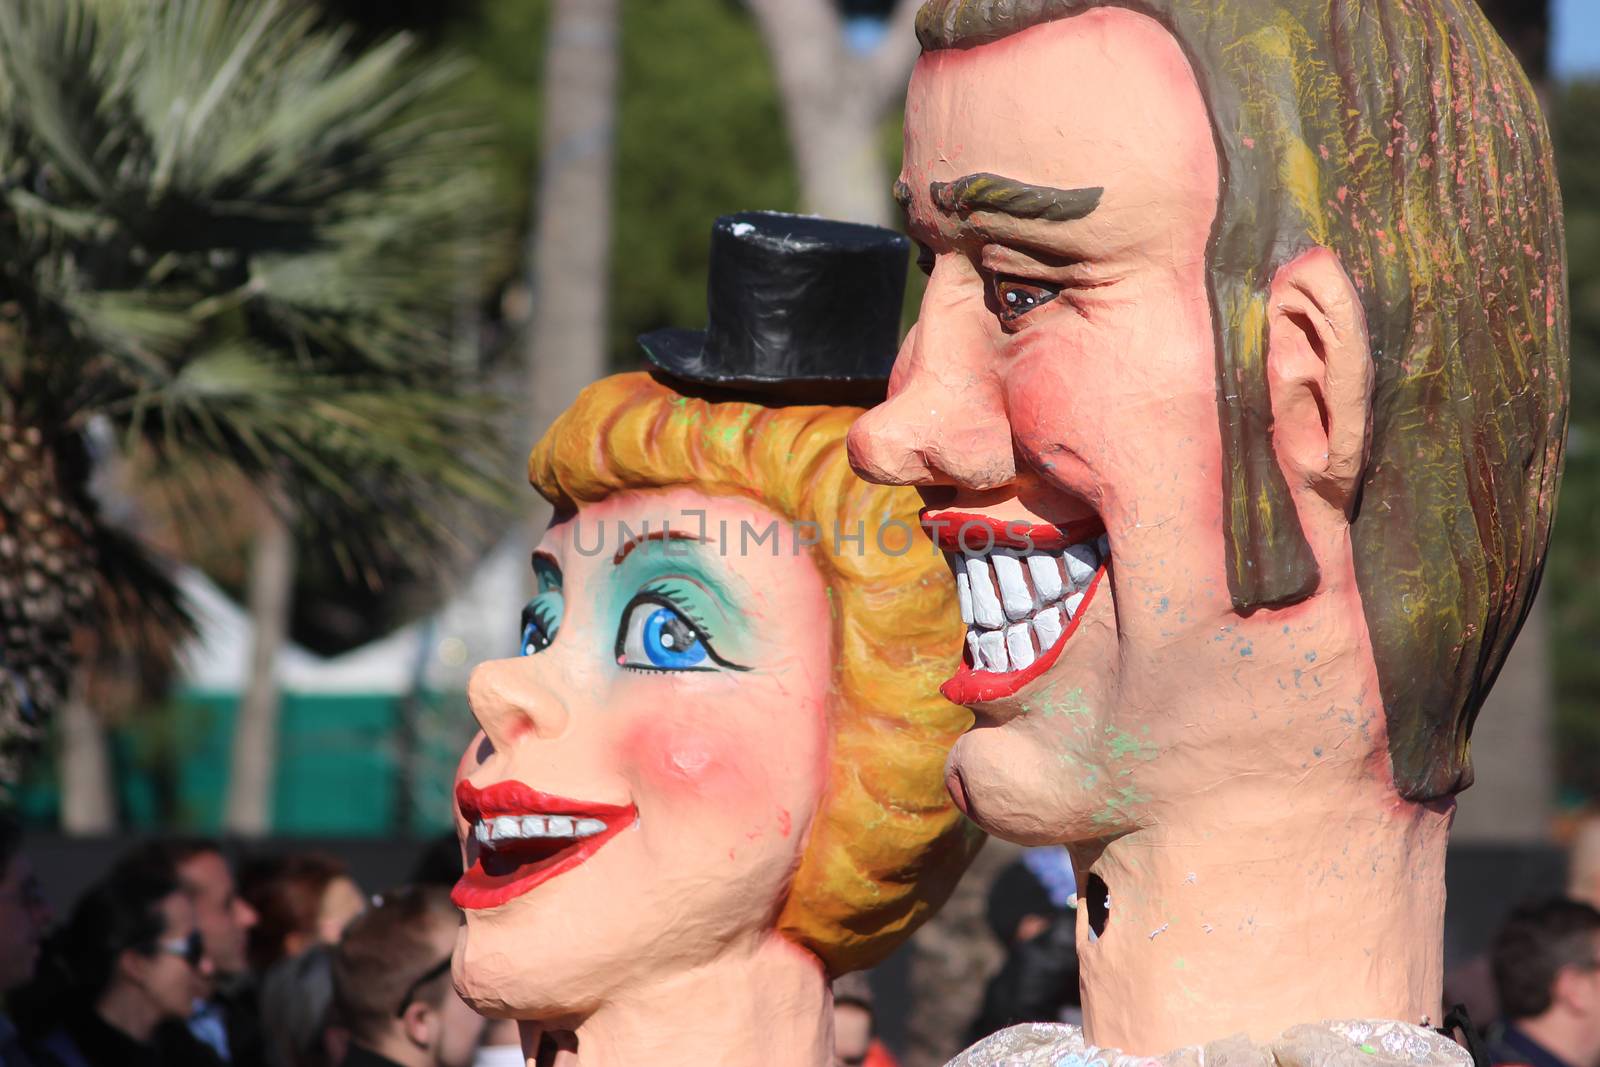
(520, 837)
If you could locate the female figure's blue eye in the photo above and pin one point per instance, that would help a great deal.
(657, 637)
(541, 620)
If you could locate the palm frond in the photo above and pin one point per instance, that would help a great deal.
(241, 242)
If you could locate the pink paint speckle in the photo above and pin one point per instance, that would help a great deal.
(785, 823)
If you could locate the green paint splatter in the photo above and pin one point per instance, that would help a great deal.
(1124, 744)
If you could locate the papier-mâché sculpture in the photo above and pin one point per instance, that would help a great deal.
(1268, 294)
(730, 711)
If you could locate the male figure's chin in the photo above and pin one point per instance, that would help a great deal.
(1014, 785)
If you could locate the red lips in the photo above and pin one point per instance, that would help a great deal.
(505, 873)
(970, 687)
(957, 531)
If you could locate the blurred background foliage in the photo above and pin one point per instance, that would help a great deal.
(1572, 577)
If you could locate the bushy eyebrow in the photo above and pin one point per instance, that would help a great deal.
(1008, 196)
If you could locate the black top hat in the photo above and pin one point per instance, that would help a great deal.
(800, 310)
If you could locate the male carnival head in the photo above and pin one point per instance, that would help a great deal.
(1237, 397)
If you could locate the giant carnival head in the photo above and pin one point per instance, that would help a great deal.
(1238, 391)
(728, 694)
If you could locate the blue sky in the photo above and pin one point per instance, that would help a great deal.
(1577, 38)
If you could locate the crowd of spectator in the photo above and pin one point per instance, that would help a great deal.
(168, 961)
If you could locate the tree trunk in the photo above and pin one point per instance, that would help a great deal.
(253, 767)
(570, 244)
(835, 102)
(88, 795)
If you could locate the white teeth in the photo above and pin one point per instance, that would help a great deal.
(1046, 577)
(1019, 643)
(964, 595)
(1014, 613)
(1047, 627)
(985, 605)
(992, 651)
(1014, 592)
(1082, 561)
(501, 828)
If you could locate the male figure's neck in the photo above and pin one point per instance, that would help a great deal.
(1261, 903)
(769, 1006)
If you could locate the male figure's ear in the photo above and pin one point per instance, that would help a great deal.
(1319, 370)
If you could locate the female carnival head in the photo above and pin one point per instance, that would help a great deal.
(724, 741)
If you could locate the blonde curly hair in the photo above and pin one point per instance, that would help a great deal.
(886, 846)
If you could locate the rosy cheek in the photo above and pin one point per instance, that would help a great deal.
(680, 761)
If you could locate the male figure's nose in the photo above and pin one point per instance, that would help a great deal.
(510, 702)
(945, 420)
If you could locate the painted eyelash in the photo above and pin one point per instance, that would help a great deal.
(666, 598)
(540, 614)
(676, 602)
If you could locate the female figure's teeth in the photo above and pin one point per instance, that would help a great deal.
(480, 830)
(1019, 643)
(1072, 604)
(1047, 625)
(992, 651)
(585, 827)
(533, 826)
(1046, 576)
(1014, 592)
(985, 605)
(964, 596)
(506, 826)
(558, 826)
(1082, 561)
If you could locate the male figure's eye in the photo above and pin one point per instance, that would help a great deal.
(1016, 298)
(656, 637)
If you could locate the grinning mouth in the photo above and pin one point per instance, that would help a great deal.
(1022, 587)
(518, 838)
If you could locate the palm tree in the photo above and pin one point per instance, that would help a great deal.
(227, 242)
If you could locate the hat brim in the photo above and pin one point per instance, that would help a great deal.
(681, 355)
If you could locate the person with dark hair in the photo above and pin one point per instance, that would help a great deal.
(297, 1016)
(131, 957)
(226, 1017)
(1546, 963)
(23, 918)
(300, 900)
(1038, 982)
(392, 988)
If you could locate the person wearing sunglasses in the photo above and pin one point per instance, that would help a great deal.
(131, 957)
(392, 988)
